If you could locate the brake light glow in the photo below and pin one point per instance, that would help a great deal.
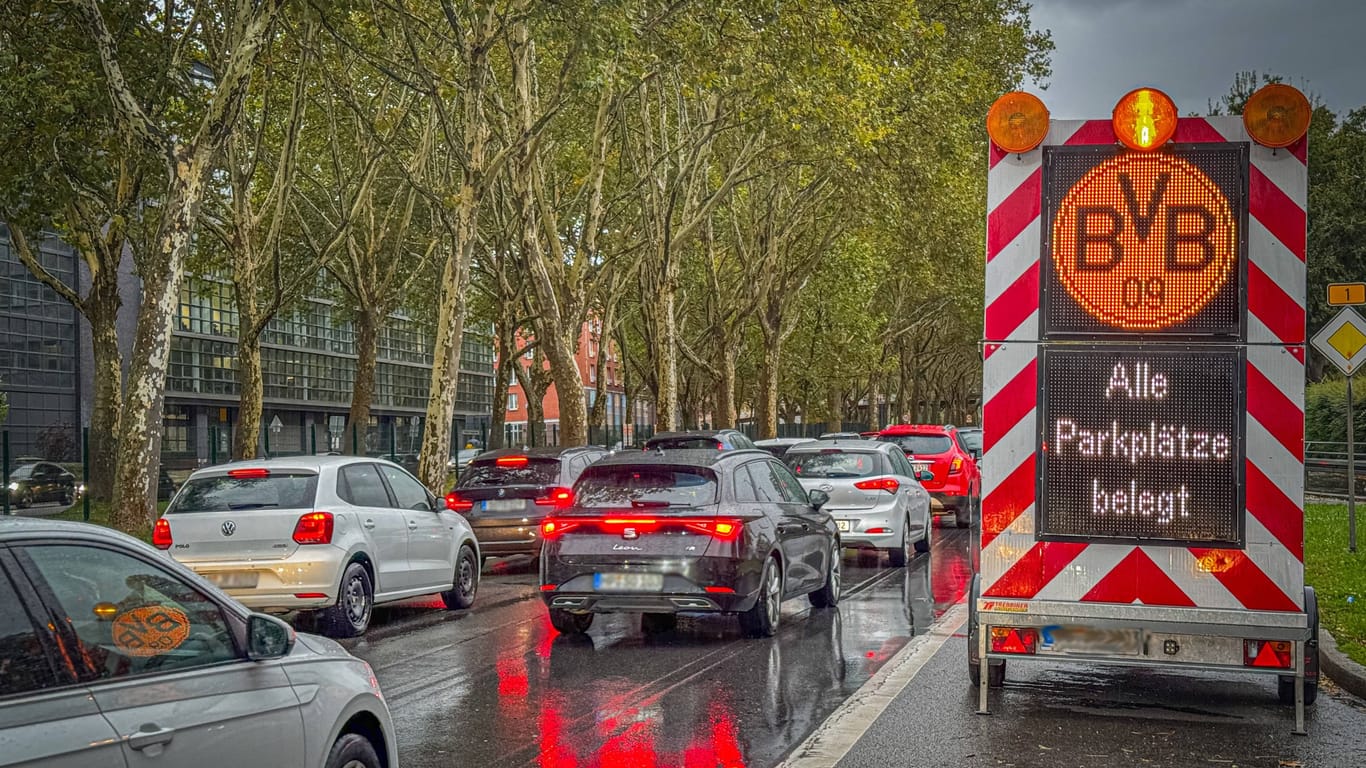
(161, 534)
(1021, 640)
(549, 587)
(457, 503)
(956, 466)
(314, 528)
(721, 590)
(248, 473)
(310, 595)
(878, 530)
(721, 528)
(888, 484)
(556, 497)
(1267, 653)
(552, 527)
(511, 461)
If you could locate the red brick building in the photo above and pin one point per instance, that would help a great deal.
(621, 424)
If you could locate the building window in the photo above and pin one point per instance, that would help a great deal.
(512, 401)
(592, 374)
(530, 354)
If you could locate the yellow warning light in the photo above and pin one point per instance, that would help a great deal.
(1277, 115)
(1017, 122)
(1144, 119)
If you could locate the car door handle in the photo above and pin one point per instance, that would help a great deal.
(412, 525)
(369, 524)
(150, 735)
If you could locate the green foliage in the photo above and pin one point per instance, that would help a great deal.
(1337, 576)
(1325, 411)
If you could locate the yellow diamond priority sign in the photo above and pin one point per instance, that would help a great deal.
(1343, 340)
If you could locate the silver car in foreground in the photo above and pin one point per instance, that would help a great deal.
(875, 494)
(111, 655)
(337, 534)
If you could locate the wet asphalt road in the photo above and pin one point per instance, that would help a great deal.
(496, 686)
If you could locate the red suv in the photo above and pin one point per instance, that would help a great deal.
(957, 485)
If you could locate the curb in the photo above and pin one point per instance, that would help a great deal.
(1349, 675)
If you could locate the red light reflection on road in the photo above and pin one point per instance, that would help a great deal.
(950, 574)
(631, 741)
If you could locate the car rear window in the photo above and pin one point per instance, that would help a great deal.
(283, 490)
(650, 486)
(482, 474)
(683, 443)
(836, 464)
(21, 473)
(972, 441)
(918, 444)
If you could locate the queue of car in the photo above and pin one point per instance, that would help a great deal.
(116, 652)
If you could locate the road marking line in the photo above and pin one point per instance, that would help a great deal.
(834, 738)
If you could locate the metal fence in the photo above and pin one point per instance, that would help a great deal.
(1325, 470)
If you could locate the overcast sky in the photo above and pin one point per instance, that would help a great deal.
(1191, 49)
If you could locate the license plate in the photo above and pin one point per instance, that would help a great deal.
(502, 505)
(920, 465)
(842, 525)
(233, 579)
(1088, 640)
(628, 582)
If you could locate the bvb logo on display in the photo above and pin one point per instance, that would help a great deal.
(1144, 241)
(150, 630)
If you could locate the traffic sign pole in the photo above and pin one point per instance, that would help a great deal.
(1351, 473)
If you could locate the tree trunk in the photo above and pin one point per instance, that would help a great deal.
(723, 409)
(833, 422)
(564, 371)
(535, 412)
(141, 424)
(108, 384)
(433, 464)
(666, 357)
(251, 391)
(766, 414)
(363, 393)
(874, 416)
(507, 362)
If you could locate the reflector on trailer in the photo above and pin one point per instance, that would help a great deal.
(1017, 122)
(1277, 115)
(1144, 119)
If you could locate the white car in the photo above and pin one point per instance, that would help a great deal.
(875, 495)
(110, 655)
(336, 534)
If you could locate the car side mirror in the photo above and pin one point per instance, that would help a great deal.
(818, 498)
(923, 475)
(268, 638)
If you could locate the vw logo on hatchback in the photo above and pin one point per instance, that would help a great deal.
(229, 528)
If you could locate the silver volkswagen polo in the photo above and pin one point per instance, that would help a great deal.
(337, 534)
(111, 655)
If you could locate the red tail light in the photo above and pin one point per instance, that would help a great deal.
(511, 461)
(161, 534)
(888, 484)
(314, 528)
(721, 590)
(552, 527)
(248, 473)
(457, 503)
(718, 528)
(557, 497)
(1014, 640)
(956, 466)
(1267, 653)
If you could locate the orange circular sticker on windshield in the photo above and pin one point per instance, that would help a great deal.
(1144, 241)
(150, 630)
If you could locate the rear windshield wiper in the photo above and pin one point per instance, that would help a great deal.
(260, 505)
(655, 503)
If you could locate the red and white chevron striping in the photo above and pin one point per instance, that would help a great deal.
(1269, 573)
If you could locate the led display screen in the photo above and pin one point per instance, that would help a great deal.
(1137, 443)
(1147, 243)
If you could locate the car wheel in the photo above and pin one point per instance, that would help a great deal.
(68, 497)
(25, 500)
(762, 619)
(922, 545)
(897, 558)
(567, 623)
(829, 593)
(996, 674)
(962, 516)
(657, 623)
(461, 593)
(352, 751)
(355, 602)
